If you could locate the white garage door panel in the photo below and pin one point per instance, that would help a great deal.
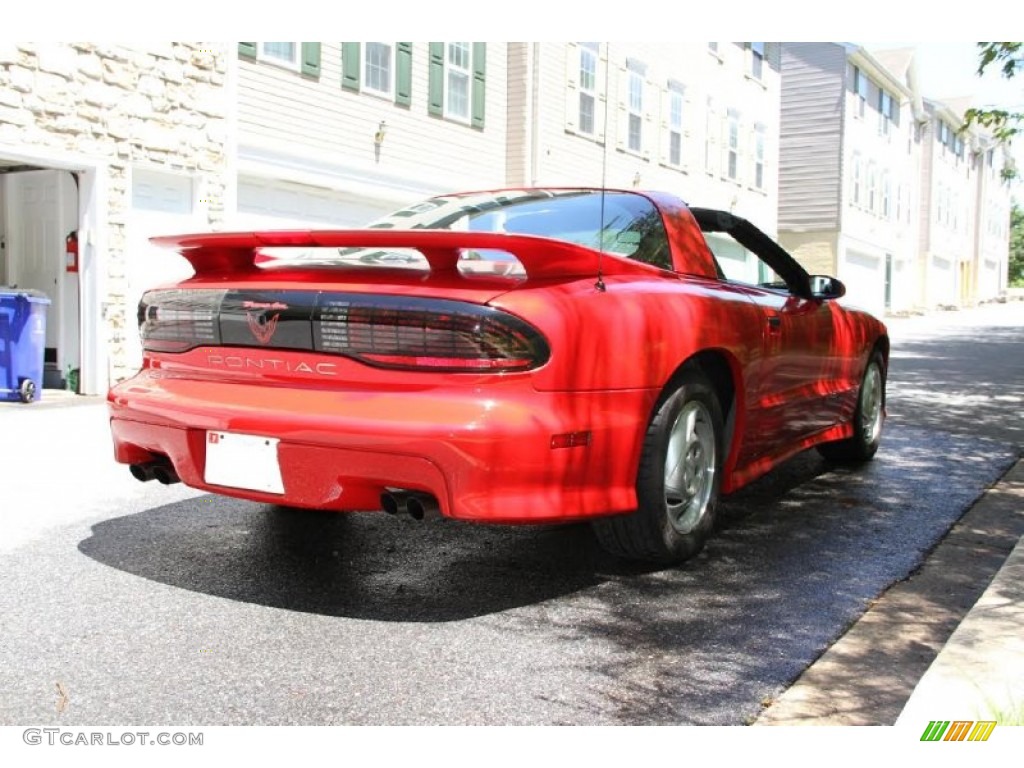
(864, 278)
(942, 281)
(275, 204)
(162, 204)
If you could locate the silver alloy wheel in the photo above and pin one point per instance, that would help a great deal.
(689, 467)
(871, 404)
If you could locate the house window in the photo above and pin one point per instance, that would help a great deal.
(588, 87)
(856, 179)
(732, 157)
(675, 124)
(860, 87)
(635, 107)
(458, 74)
(285, 54)
(710, 125)
(886, 194)
(757, 60)
(759, 136)
(884, 112)
(872, 186)
(378, 72)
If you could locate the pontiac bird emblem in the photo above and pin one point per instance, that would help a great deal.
(262, 326)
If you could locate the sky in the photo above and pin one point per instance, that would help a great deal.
(949, 70)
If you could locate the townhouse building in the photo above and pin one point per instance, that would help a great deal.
(342, 133)
(697, 120)
(848, 171)
(827, 145)
(964, 246)
(879, 186)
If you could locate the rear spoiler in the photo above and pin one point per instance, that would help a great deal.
(541, 257)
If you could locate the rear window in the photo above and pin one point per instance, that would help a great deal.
(617, 222)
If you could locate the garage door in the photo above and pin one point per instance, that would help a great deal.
(162, 204)
(941, 282)
(864, 278)
(271, 204)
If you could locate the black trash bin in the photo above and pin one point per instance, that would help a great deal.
(22, 343)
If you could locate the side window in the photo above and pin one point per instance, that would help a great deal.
(740, 265)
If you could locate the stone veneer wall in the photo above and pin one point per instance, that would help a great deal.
(159, 106)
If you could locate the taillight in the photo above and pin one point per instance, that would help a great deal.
(393, 332)
(179, 320)
(383, 331)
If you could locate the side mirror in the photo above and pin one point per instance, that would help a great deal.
(824, 287)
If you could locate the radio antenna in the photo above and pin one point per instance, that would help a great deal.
(599, 285)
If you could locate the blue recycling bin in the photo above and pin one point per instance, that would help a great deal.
(22, 344)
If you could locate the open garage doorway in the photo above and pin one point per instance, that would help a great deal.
(39, 225)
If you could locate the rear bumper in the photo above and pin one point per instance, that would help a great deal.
(485, 453)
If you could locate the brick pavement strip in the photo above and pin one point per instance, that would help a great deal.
(870, 673)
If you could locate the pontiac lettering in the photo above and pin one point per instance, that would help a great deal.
(241, 362)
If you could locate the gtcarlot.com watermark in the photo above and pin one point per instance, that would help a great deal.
(74, 738)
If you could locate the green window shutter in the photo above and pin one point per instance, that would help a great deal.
(311, 59)
(479, 92)
(435, 90)
(247, 49)
(403, 74)
(350, 66)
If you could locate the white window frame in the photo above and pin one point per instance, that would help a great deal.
(857, 179)
(711, 128)
(760, 138)
(635, 108)
(731, 170)
(886, 195)
(860, 90)
(364, 69)
(757, 59)
(452, 72)
(676, 108)
(872, 186)
(293, 64)
(884, 112)
(588, 52)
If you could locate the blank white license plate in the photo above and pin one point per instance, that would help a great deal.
(243, 461)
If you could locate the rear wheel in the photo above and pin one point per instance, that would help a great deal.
(677, 481)
(867, 419)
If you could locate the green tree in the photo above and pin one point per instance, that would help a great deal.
(1009, 58)
(1017, 247)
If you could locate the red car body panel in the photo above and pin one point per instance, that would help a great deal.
(561, 441)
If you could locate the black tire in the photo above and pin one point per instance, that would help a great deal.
(868, 418)
(27, 390)
(672, 522)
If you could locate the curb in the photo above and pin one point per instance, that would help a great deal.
(934, 638)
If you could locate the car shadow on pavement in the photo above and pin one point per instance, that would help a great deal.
(373, 566)
(358, 565)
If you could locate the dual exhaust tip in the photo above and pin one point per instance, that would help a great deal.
(417, 505)
(160, 470)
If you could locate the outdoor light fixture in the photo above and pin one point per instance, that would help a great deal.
(378, 137)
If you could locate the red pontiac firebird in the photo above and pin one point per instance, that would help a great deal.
(518, 356)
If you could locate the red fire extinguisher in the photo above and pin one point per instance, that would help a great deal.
(71, 252)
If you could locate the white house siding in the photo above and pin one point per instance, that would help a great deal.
(560, 153)
(878, 206)
(101, 111)
(317, 138)
(992, 224)
(951, 216)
